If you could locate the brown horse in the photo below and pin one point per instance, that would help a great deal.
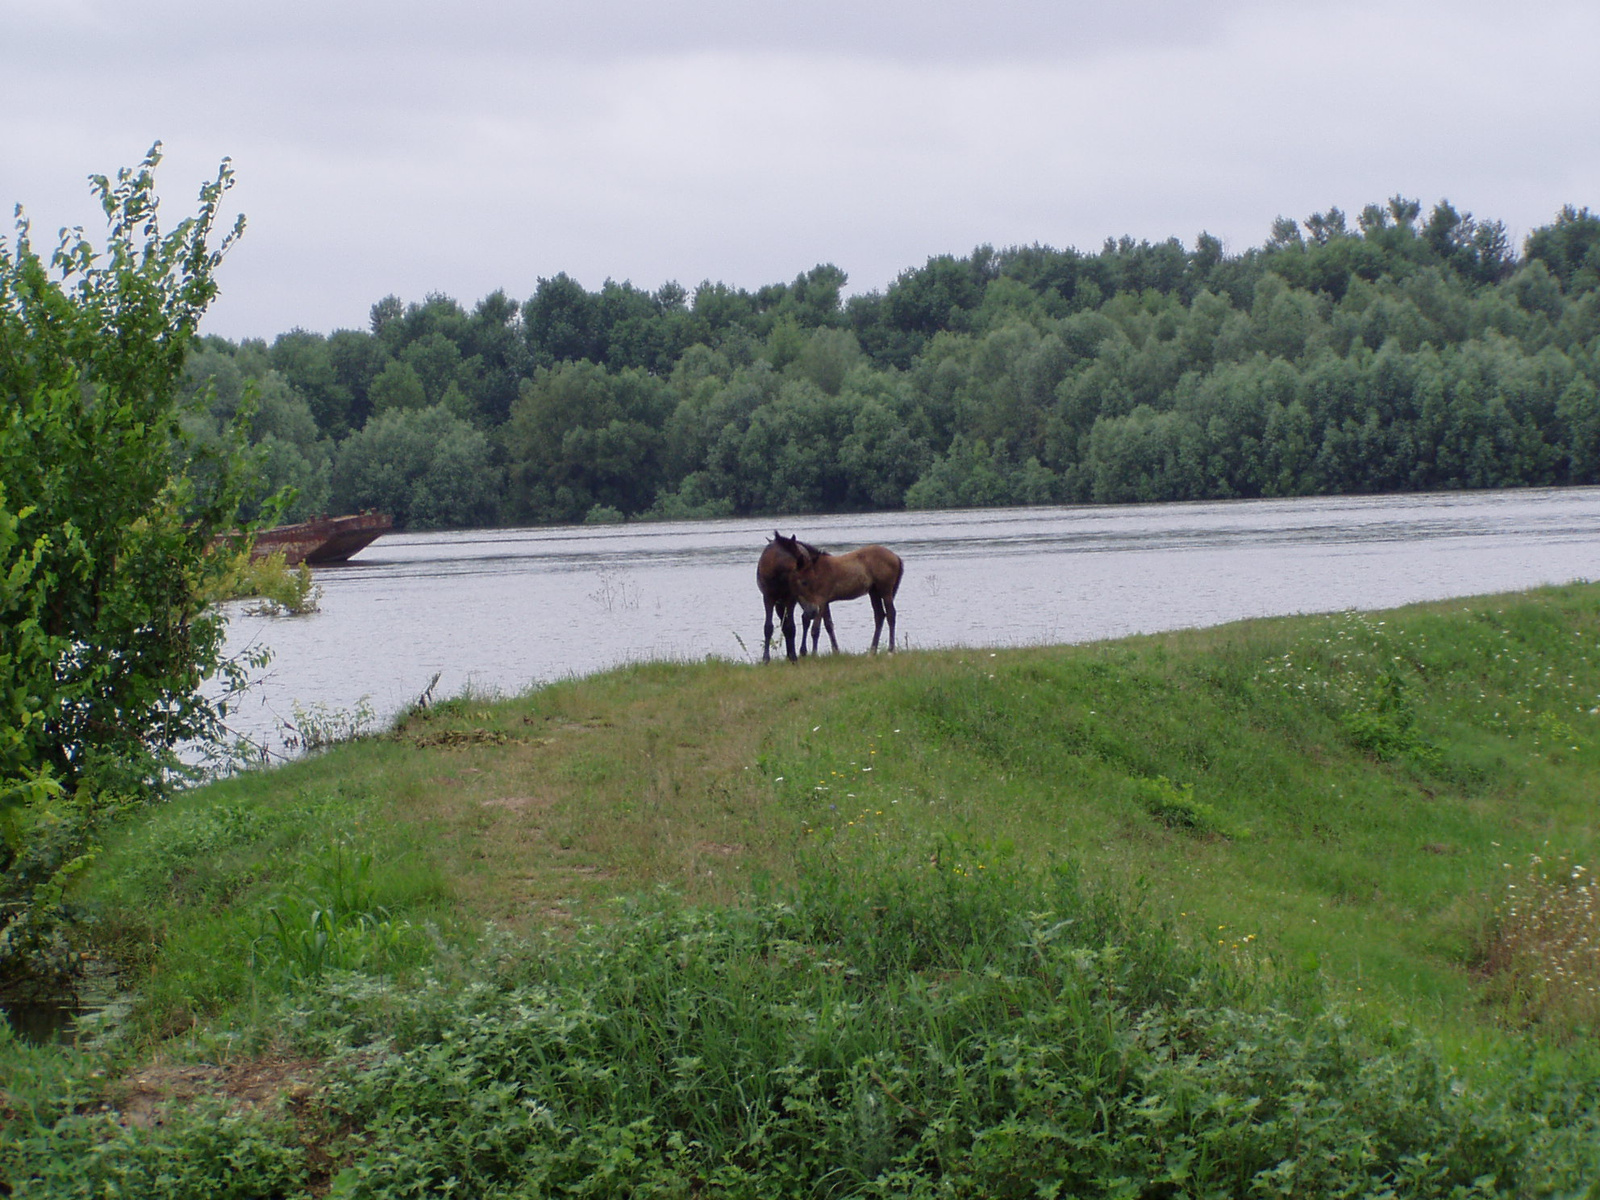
(775, 576)
(872, 571)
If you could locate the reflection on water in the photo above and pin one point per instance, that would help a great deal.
(499, 610)
(39, 1023)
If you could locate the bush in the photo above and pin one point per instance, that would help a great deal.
(949, 1027)
(281, 590)
(106, 548)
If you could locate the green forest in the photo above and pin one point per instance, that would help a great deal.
(1399, 352)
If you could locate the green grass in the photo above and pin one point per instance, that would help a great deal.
(1260, 858)
(202, 899)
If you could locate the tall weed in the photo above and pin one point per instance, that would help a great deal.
(1364, 670)
(1543, 947)
(319, 726)
(1175, 807)
(335, 926)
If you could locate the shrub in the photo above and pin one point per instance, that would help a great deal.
(106, 546)
(1176, 808)
(944, 1027)
(279, 588)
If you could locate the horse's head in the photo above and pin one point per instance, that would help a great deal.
(803, 553)
(810, 584)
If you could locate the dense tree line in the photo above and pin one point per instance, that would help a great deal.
(1395, 353)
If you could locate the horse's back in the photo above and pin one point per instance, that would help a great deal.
(874, 569)
(886, 567)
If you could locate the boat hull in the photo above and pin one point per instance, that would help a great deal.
(323, 541)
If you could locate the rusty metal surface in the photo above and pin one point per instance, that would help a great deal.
(323, 540)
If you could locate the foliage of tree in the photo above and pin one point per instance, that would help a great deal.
(106, 559)
(580, 436)
(292, 456)
(426, 467)
(1397, 348)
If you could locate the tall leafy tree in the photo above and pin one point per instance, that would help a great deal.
(108, 559)
(397, 386)
(426, 467)
(580, 436)
(106, 544)
(304, 361)
(562, 322)
(1570, 248)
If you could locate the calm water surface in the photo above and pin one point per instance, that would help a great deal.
(500, 610)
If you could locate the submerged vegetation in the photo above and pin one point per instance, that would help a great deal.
(1217, 912)
(277, 588)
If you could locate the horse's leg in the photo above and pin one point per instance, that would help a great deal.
(810, 626)
(827, 619)
(888, 610)
(766, 634)
(877, 619)
(788, 629)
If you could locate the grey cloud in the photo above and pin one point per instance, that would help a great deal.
(909, 30)
(408, 148)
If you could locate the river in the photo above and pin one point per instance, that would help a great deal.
(500, 610)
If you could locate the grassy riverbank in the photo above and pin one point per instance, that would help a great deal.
(1169, 907)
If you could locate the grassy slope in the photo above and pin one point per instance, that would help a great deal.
(1342, 792)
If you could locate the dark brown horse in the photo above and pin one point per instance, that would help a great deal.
(822, 578)
(775, 576)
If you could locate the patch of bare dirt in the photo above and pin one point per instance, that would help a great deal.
(559, 725)
(518, 803)
(586, 872)
(143, 1098)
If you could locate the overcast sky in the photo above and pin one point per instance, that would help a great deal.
(405, 147)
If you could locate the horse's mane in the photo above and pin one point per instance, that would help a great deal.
(806, 546)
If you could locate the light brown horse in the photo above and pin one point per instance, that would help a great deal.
(872, 571)
(775, 576)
